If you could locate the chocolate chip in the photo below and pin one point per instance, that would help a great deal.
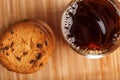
(41, 64)
(6, 48)
(38, 56)
(39, 45)
(12, 49)
(18, 58)
(24, 53)
(41, 32)
(46, 43)
(32, 61)
(11, 44)
(7, 54)
(11, 31)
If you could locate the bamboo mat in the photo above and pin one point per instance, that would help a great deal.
(64, 64)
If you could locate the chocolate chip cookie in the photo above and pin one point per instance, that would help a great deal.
(26, 46)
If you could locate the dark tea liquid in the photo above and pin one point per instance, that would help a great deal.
(91, 27)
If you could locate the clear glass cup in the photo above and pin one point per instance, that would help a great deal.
(92, 27)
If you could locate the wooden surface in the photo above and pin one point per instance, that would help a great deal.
(64, 64)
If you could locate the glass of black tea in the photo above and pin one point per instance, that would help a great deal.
(92, 27)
